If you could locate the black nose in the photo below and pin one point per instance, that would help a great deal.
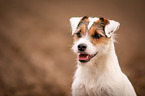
(82, 47)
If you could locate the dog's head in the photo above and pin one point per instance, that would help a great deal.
(91, 36)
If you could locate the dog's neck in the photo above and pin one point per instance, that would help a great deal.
(106, 63)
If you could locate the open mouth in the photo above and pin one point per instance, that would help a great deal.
(83, 57)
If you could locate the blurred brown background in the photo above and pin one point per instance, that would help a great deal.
(35, 42)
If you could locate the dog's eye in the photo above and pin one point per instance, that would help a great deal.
(96, 36)
(79, 34)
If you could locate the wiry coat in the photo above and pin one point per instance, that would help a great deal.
(101, 76)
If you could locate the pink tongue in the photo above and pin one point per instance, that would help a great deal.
(83, 56)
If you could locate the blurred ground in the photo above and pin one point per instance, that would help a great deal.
(35, 42)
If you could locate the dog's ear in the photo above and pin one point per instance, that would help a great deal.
(111, 27)
(74, 21)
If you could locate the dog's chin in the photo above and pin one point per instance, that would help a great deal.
(84, 57)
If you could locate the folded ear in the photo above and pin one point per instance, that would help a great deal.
(111, 27)
(74, 21)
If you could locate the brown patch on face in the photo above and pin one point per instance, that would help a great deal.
(96, 29)
(102, 40)
(82, 28)
(97, 33)
(80, 32)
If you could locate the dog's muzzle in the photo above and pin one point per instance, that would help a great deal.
(84, 57)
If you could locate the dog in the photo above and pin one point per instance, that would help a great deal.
(98, 72)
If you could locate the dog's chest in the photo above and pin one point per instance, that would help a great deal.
(96, 87)
(95, 84)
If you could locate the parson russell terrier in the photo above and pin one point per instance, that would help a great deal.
(98, 72)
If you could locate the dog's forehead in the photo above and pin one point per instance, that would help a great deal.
(76, 20)
(91, 21)
(109, 28)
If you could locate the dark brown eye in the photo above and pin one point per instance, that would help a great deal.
(96, 36)
(79, 34)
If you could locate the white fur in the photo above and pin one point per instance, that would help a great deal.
(74, 23)
(112, 27)
(102, 75)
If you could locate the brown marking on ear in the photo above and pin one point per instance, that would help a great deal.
(104, 20)
(84, 20)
